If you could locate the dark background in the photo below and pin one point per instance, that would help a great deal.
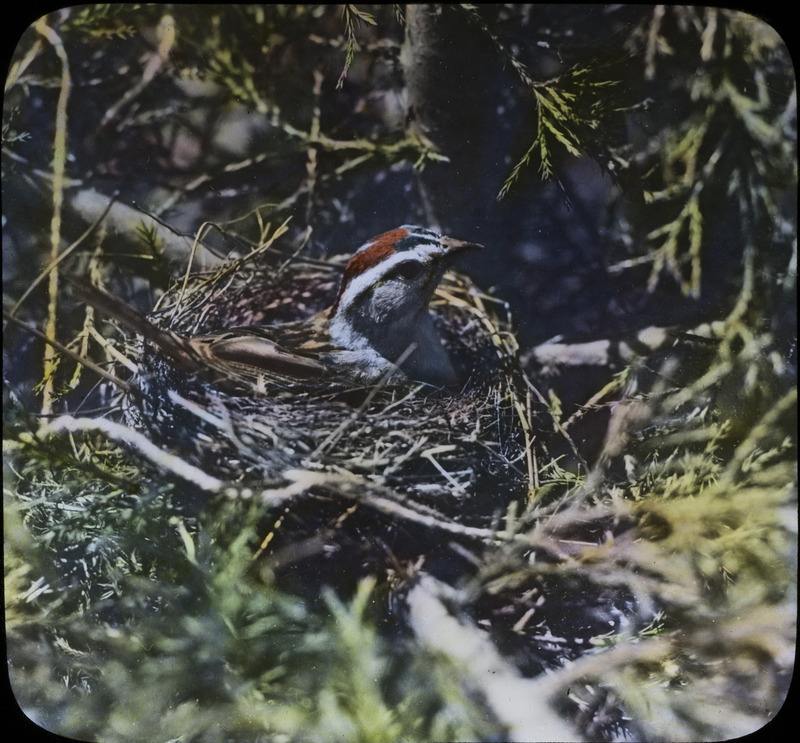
(202, 142)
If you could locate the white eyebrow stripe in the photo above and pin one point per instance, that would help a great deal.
(362, 282)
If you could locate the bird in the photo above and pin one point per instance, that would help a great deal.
(378, 327)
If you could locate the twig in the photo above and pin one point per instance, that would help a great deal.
(67, 352)
(336, 434)
(50, 266)
(367, 493)
(556, 422)
(135, 440)
(59, 169)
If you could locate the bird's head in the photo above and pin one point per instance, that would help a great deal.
(382, 305)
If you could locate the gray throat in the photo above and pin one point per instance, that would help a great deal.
(418, 351)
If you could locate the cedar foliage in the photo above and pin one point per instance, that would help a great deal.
(652, 567)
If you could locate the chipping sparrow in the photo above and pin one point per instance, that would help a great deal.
(378, 326)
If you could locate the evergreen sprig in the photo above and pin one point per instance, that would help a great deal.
(572, 112)
(353, 18)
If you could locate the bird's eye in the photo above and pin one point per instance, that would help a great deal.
(408, 270)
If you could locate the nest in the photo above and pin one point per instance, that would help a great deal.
(407, 454)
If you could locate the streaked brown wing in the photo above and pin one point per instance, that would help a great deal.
(252, 349)
(235, 357)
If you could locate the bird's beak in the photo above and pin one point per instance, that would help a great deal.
(456, 247)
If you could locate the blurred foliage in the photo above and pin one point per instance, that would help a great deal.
(133, 616)
(733, 144)
(675, 558)
(654, 579)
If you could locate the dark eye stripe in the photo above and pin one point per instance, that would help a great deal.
(408, 270)
(416, 236)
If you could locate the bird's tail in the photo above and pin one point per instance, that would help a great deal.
(171, 344)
